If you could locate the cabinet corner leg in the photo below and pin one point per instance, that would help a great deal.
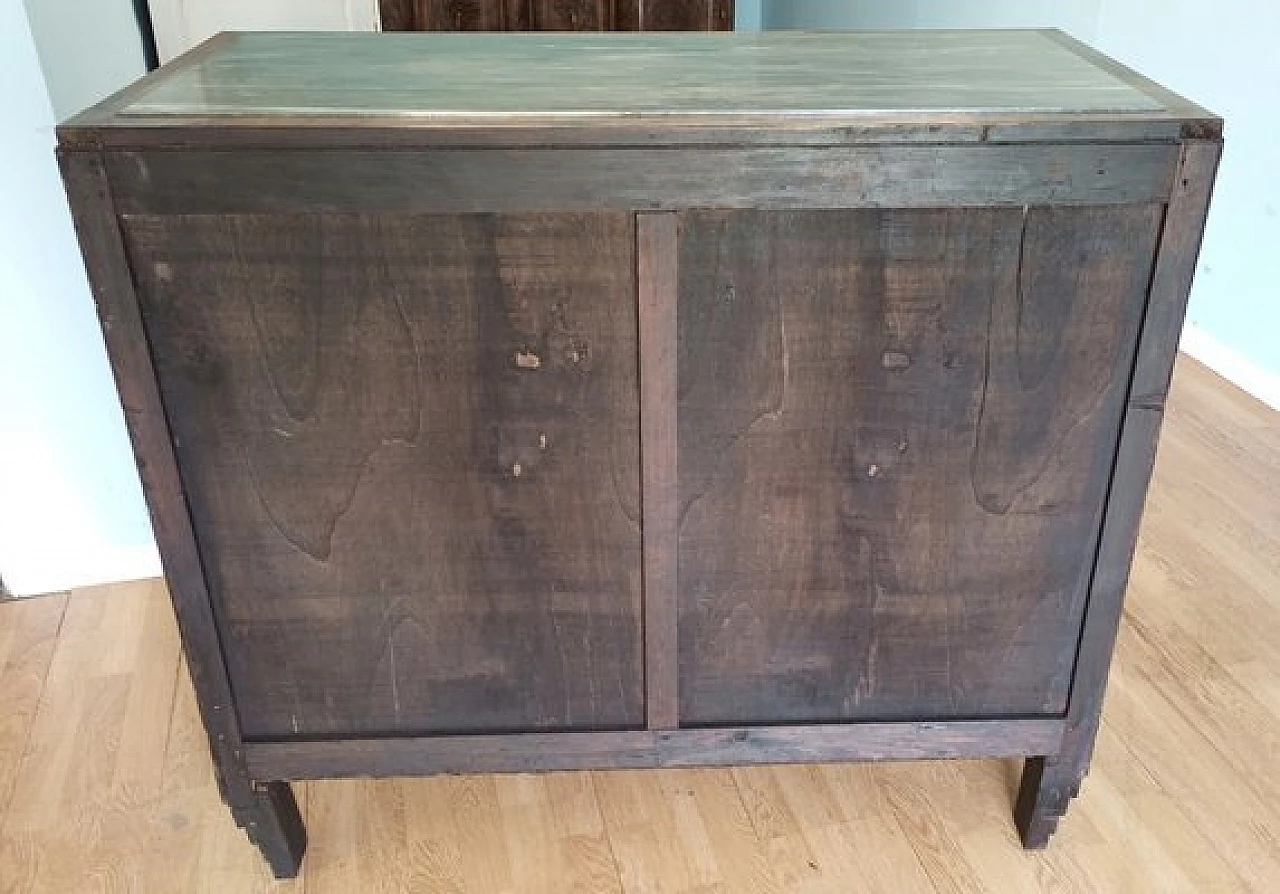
(270, 817)
(1048, 785)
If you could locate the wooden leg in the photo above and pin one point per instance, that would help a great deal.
(1048, 785)
(269, 816)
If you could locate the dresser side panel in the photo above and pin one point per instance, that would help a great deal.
(1136, 453)
(129, 349)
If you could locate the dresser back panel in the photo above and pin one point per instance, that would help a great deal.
(410, 450)
(896, 431)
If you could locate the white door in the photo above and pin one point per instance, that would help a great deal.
(181, 24)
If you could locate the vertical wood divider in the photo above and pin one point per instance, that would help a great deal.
(656, 253)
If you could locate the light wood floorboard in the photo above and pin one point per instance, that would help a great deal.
(105, 782)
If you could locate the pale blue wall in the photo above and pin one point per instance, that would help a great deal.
(1076, 16)
(1223, 54)
(88, 49)
(71, 510)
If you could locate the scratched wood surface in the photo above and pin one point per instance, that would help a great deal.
(410, 448)
(896, 429)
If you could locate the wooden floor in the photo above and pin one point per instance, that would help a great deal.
(105, 782)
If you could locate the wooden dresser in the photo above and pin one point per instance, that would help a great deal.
(512, 402)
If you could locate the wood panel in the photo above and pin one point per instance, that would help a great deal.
(528, 752)
(571, 15)
(657, 248)
(557, 15)
(686, 15)
(675, 15)
(410, 449)
(458, 15)
(460, 180)
(497, 15)
(386, 132)
(398, 15)
(896, 431)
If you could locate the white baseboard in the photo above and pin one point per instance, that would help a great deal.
(1231, 365)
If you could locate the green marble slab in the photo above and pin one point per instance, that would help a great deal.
(488, 78)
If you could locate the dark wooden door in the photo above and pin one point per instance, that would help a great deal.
(675, 15)
(896, 430)
(410, 449)
(556, 15)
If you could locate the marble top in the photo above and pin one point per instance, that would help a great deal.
(704, 77)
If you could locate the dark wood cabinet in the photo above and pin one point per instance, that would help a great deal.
(556, 15)
(639, 401)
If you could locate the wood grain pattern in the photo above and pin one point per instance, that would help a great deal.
(657, 248)
(411, 452)
(528, 752)
(398, 15)
(557, 15)
(459, 15)
(1051, 782)
(511, 15)
(586, 180)
(27, 637)
(1179, 798)
(571, 15)
(105, 768)
(389, 132)
(1171, 283)
(895, 433)
(675, 15)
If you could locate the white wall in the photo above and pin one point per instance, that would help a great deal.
(71, 511)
